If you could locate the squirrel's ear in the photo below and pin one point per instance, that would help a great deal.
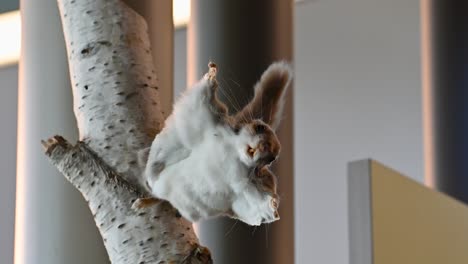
(268, 101)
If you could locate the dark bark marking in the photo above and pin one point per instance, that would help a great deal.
(93, 47)
(130, 95)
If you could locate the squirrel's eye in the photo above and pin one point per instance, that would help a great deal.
(259, 128)
(236, 129)
(250, 151)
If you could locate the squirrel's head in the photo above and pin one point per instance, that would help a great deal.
(261, 207)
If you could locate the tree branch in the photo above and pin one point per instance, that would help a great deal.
(156, 234)
(116, 97)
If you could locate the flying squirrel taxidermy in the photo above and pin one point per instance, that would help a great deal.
(208, 163)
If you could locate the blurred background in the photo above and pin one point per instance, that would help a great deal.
(356, 94)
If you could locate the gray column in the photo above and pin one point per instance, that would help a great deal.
(8, 113)
(53, 222)
(445, 49)
(243, 37)
(158, 16)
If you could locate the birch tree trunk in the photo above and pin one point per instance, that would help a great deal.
(118, 112)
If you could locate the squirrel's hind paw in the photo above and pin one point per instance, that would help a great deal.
(141, 203)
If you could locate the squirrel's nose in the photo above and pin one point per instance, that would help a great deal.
(277, 217)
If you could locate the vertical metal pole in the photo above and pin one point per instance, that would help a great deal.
(243, 37)
(445, 91)
(53, 223)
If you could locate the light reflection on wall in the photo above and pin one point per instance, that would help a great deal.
(427, 94)
(181, 12)
(20, 209)
(10, 32)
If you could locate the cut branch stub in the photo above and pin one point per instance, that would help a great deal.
(116, 98)
(155, 234)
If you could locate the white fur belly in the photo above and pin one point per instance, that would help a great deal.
(196, 186)
(206, 183)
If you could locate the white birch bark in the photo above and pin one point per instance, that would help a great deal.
(117, 109)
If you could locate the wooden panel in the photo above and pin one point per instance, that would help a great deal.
(413, 224)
